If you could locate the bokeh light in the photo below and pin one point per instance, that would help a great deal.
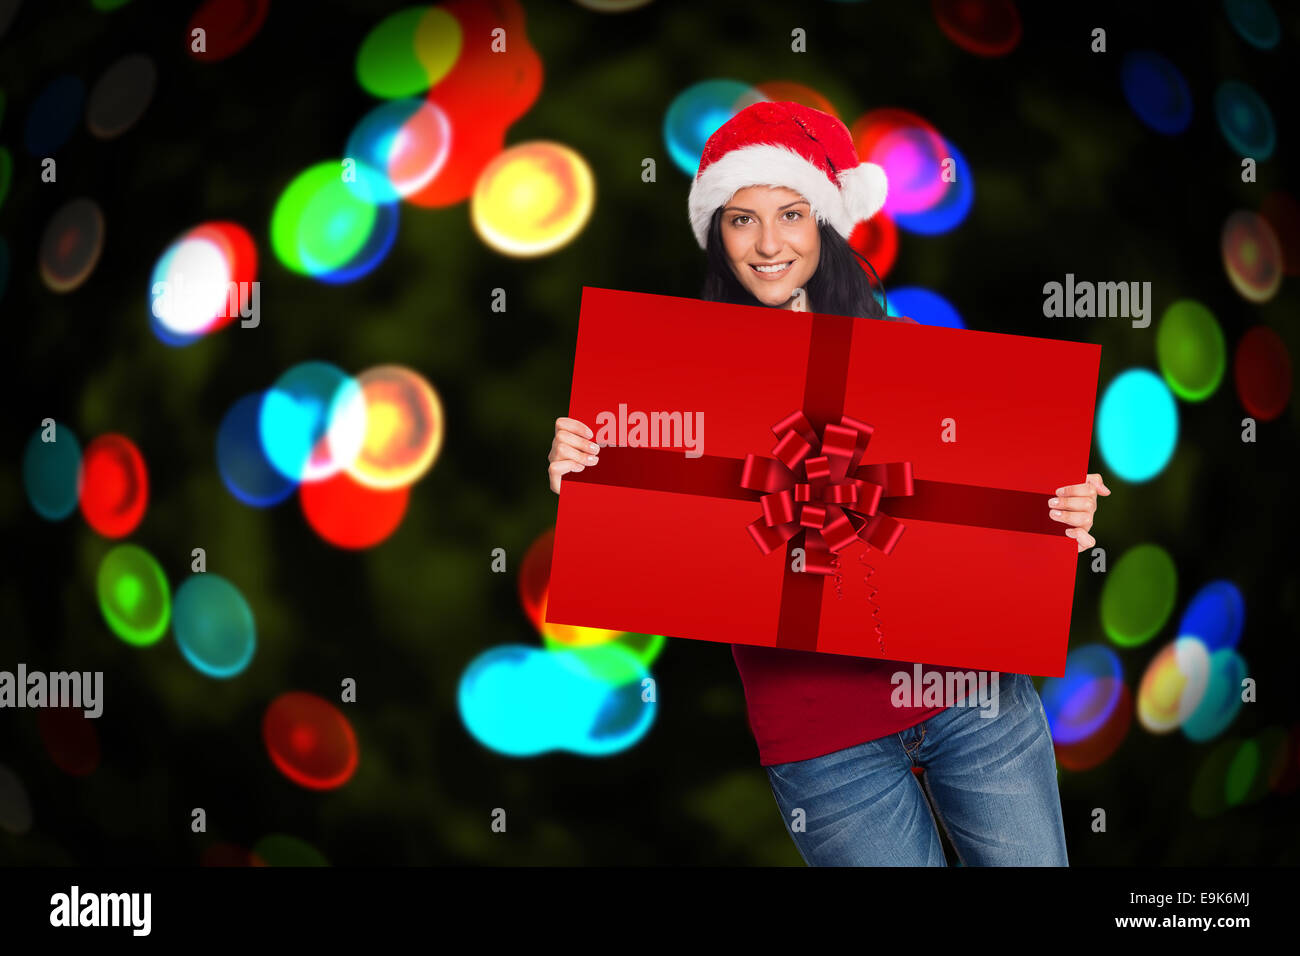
(521, 702)
(309, 741)
(312, 421)
(280, 849)
(406, 141)
(1245, 120)
(910, 151)
(213, 625)
(134, 595)
(877, 239)
(1254, 21)
(53, 116)
(1156, 91)
(696, 113)
(228, 26)
(1216, 615)
(71, 245)
(1221, 701)
(1252, 256)
(1139, 595)
(533, 199)
(1079, 703)
(408, 51)
(1137, 425)
(15, 806)
(983, 27)
(348, 514)
(70, 739)
(114, 485)
(924, 305)
(202, 282)
(52, 471)
(404, 427)
(120, 96)
(241, 460)
(333, 223)
(1173, 685)
(1190, 350)
(954, 203)
(1261, 371)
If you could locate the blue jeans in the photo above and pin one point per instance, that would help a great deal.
(991, 780)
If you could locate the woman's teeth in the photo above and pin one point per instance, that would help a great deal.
(772, 270)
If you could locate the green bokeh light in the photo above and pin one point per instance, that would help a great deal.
(1190, 350)
(646, 647)
(408, 52)
(320, 223)
(1241, 773)
(134, 595)
(280, 849)
(1139, 594)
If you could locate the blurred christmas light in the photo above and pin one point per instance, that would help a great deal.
(53, 116)
(404, 427)
(1190, 350)
(1138, 595)
(910, 151)
(928, 308)
(52, 472)
(1254, 21)
(228, 26)
(1221, 701)
(1174, 684)
(213, 625)
(1156, 91)
(114, 485)
(1252, 256)
(120, 96)
(984, 27)
(406, 141)
(309, 741)
(348, 514)
(877, 239)
(408, 51)
(1245, 120)
(1261, 371)
(280, 849)
(954, 204)
(312, 421)
(696, 113)
(1216, 615)
(71, 245)
(1080, 702)
(533, 199)
(203, 281)
(134, 596)
(1137, 425)
(242, 462)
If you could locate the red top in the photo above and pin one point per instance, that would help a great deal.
(804, 704)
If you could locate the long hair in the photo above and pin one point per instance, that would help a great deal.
(838, 287)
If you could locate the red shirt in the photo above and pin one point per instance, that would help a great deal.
(804, 704)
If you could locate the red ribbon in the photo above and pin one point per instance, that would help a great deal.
(838, 500)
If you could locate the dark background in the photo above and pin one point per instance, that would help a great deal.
(1066, 178)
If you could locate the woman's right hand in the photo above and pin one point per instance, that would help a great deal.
(572, 450)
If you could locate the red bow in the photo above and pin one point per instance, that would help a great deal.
(837, 500)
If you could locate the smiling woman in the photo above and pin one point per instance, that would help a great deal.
(774, 249)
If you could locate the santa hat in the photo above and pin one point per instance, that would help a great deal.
(792, 145)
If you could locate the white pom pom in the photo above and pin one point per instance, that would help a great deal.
(864, 188)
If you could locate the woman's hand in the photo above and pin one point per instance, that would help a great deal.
(572, 450)
(1076, 505)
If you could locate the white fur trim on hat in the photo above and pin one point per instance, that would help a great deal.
(768, 164)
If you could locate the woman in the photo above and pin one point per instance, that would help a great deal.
(779, 189)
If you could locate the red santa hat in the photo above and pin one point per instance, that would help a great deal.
(792, 145)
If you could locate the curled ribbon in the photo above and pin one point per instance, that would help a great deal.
(821, 488)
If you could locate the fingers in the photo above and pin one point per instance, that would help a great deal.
(1077, 519)
(573, 425)
(1077, 491)
(1086, 503)
(568, 440)
(1084, 539)
(1101, 485)
(558, 469)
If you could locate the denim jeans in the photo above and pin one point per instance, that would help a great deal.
(991, 780)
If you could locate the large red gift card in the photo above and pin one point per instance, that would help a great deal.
(823, 483)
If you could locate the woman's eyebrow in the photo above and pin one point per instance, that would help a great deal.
(786, 206)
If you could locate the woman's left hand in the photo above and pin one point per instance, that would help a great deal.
(1076, 505)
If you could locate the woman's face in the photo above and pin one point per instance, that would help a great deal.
(771, 225)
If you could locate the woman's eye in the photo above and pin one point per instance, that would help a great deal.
(793, 212)
(736, 220)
